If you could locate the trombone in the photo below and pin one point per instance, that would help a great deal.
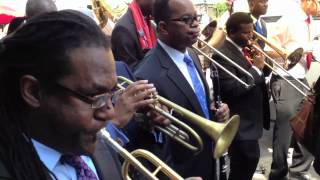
(221, 133)
(278, 50)
(246, 85)
(284, 70)
(131, 159)
(290, 59)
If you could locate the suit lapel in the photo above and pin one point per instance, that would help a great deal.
(175, 75)
(106, 162)
(236, 55)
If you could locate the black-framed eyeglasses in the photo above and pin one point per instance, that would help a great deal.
(188, 20)
(96, 102)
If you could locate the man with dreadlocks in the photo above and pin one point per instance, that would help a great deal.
(57, 74)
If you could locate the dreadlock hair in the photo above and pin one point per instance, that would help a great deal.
(39, 48)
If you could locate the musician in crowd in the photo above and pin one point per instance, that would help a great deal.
(59, 77)
(33, 7)
(175, 71)
(292, 31)
(134, 34)
(258, 8)
(250, 103)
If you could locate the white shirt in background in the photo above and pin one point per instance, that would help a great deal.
(290, 33)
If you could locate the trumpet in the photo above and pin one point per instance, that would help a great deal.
(246, 85)
(177, 134)
(131, 159)
(221, 133)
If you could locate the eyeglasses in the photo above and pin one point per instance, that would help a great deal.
(96, 102)
(188, 20)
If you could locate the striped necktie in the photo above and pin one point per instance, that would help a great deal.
(82, 169)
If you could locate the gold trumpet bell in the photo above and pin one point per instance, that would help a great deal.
(224, 134)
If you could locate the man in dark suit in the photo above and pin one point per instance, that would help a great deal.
(176, 73)
(250, 103)
(56, 99)
(125, 38)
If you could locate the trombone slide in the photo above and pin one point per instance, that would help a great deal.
(131, 159)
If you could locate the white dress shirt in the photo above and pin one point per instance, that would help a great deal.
(51, 159)
(291, 33)
(177, 58)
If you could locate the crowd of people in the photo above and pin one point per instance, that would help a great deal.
(60, 70)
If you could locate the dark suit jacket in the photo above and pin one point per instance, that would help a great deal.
(15, 23)
(160, 69)
(125, 43)
(251, 104)
(104, 158)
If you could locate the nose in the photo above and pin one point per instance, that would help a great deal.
(106, 112)
(195, 23)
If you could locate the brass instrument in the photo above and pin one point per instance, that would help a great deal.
(131, 159)
(290, 59)
(246, 85)
(278, 50)
(221, 133)
(177, 134)
(284, 70)
(103, 12)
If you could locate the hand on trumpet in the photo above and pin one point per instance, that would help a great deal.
(129, 100)
(257, 57)
(222, 114)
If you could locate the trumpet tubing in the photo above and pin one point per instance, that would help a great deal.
(221, 133)
(177, 134)
(131, 159)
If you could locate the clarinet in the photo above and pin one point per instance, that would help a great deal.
(223, 166)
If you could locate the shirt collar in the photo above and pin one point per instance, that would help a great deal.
(48, 156)
(173, 53)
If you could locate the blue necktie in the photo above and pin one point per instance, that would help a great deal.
(199, 91)
(259, 28)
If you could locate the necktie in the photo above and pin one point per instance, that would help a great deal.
(246, 55)
(259, 28)
(309, 59)
(82, 169)
(309, 55)
(199, 91)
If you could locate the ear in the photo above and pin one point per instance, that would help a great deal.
(162, 28)
(30, 90)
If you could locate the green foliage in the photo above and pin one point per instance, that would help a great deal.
(220, 8)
